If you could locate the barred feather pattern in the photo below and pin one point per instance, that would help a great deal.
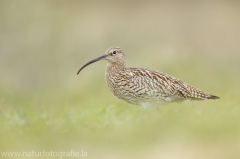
(140, 85)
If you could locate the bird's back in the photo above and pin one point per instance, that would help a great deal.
(140, 85)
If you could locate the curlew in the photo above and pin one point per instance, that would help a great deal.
(143, 86)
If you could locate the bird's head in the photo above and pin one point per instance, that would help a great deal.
(112, 55)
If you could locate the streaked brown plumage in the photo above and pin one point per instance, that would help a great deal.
(144, 86)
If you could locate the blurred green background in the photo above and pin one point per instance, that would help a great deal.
(44, 105)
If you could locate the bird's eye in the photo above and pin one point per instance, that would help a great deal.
(114, 52)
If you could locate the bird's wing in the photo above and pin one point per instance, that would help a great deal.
(157, 83)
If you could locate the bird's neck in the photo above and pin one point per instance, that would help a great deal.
(115, 67)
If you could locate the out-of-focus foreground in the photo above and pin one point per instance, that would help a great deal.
(45, 106)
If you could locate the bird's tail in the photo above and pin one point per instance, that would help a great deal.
(198, 94)
(212, 97)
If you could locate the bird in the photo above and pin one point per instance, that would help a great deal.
(142, 86)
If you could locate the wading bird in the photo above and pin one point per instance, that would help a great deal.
(143, 86)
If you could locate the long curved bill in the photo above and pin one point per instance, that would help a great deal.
(92, 61)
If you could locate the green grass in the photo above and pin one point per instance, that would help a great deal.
(108, 127)
(81, 114)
